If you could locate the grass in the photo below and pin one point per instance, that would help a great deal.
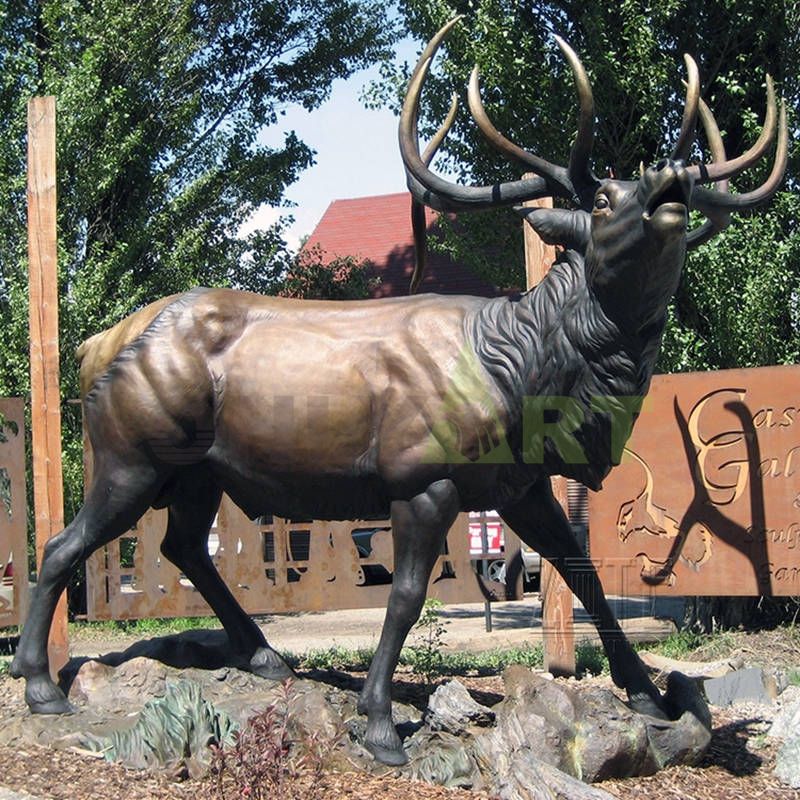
(156, 626)
(689, 645)
(490, 662)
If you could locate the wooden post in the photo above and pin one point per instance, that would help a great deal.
(48, 490)
(557, 620)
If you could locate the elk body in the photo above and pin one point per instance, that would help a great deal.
(418, 406)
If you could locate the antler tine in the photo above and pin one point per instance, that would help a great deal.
(418, 224)
(720, 219)
(435, 143)
(580, 171)
(689, 122)
(727, 169)
(434, 191)
(708, 201)
(552, 172)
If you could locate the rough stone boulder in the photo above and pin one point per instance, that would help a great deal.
(545, 741)
(589, 733)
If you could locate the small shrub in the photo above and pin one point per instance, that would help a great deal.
(338, 658)
(590, 659)
(265, 760)
(426, 655)
(680, 644)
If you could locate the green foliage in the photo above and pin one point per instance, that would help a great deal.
(739, 301)
(268, 759)
(338, 658)
(438, 662)
(315, 276)
(738, 305)
(680, 644)
(691, 645)
(154, 626)
(430, 629)
(160, 107)
(488, 662)
(590, 659)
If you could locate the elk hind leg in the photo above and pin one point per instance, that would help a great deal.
(193, 504)
(419, 528)
(117, 499)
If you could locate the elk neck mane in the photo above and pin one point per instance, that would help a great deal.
(556, 341)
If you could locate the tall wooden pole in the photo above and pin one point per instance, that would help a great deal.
(48, 490)
(557, 620)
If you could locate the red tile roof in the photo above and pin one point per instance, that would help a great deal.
(378, 229)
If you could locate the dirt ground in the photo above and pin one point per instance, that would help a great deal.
(738, 764)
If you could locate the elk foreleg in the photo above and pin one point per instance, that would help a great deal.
(119, 495)
(419, 528)
(540, 522)
(192, 507)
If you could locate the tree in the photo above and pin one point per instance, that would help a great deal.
(316, 276)
(160, 105)
(739, 301)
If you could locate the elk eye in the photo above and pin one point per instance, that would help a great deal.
(601, 201)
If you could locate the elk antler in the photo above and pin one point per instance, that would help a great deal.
(418, 224)
(711, 202)
(578, 178)
(718, 219)
(689, 121)
(443, 195)
(576, 182)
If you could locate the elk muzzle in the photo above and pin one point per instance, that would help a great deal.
(664, 194)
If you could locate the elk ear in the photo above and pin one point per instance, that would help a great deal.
(559, 226)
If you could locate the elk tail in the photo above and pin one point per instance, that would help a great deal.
(96, 353)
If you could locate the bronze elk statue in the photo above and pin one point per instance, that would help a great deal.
(179, 398)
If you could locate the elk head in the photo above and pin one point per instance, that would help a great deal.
(632, 234)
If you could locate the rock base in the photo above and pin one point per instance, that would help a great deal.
(545, 740)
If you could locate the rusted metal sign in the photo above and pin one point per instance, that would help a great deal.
(271, 567)
(707, 498)
(13, 539)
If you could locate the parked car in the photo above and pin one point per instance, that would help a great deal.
(493, 525)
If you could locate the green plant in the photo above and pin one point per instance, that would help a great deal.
(491, 662)
(269, 759)
(338, 658)
(426, 652)
(154, 626)
(590, 659)
(488, 662)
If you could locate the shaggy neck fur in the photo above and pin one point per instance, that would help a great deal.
(556, 342)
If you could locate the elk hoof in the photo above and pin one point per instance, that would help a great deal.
(646, 703)
(384, 744)
(266, 663)
(44, 697)
(390, 756)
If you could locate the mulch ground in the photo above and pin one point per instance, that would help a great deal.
(739, 763)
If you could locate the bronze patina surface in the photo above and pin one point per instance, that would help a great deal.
(418, 407)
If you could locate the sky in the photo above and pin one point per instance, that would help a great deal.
(356, 153)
